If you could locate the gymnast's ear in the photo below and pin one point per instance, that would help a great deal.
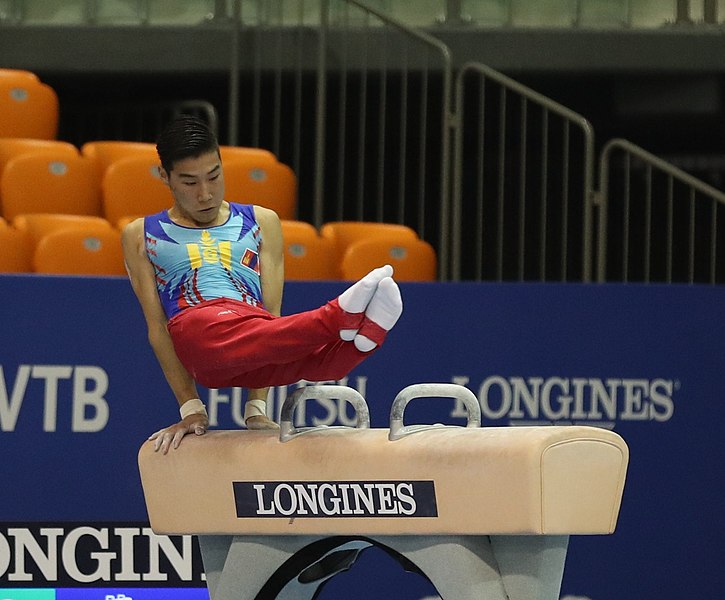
(163, 175)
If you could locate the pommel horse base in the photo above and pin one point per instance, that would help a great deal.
(482, 512)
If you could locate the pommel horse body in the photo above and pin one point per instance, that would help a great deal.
(482, 512)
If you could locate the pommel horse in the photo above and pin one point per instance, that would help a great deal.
(485, 513)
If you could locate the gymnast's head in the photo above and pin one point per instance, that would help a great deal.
(185, 137)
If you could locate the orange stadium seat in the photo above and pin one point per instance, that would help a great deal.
(344, 233)
(38, 225)
(106, 152)
(252, 180)
(77, 252)
(307, 255)
(28, 108)
(13, 147)
(132, 187)
(50, 183)
(14, 251)
(412, 259)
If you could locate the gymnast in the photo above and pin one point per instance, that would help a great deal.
(209, 274)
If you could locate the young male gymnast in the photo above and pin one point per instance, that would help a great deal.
(209, 276)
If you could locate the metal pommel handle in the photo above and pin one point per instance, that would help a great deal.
(431, 390)
(328, 392)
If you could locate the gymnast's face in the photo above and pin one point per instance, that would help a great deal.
(197, 185)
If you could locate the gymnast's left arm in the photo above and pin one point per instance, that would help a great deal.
(271, 264)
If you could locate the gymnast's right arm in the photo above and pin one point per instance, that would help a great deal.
(143, 281)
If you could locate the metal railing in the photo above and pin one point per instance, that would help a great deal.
(380, 142)
(398, 135)
(658, 223)
(522, 183)
(367, 141)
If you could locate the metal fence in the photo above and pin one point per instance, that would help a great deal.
(368, 141)
(522, 185)
(365, 116)
(658, 223)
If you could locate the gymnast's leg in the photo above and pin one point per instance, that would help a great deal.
(334, 360)
(220, 341)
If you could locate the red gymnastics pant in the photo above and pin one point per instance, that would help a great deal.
(229, 343)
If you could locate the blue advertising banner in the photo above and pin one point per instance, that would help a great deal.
(80, 390)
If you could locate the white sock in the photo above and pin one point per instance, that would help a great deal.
(384, 310)
(356, 298)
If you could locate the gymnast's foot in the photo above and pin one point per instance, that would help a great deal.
(382, 313)
(355, 299)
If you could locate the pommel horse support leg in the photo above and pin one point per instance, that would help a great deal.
(483, 512)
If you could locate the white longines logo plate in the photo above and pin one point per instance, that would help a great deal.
(325, 499)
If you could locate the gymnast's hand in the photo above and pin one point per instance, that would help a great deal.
(171, 436)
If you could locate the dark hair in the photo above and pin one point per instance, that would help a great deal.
(184, 137)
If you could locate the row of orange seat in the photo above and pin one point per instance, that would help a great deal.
(60, 244)
(90, 245)
(120, 180)
(350, 249)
